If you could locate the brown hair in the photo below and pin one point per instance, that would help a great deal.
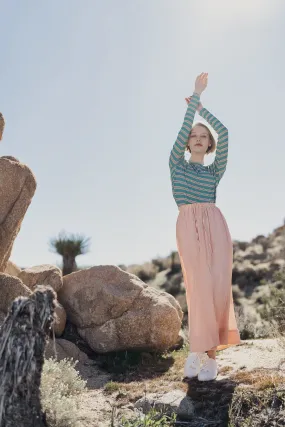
(211, 136)
(2, 125)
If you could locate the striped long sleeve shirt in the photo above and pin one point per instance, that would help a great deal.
(193, 182)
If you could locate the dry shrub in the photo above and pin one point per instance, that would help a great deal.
(251, 408)
(273, 309)
(246, 323)
(60, 387)
(145, 272)
(259, 400)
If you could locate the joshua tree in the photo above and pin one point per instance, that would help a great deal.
(69, 247)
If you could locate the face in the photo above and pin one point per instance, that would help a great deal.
(199, 140)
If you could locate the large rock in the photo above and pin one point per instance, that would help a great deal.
(60, 320)
(11, 288)
(12, 269)
(17, 187)
(42, 275)
(115, 310)
(62, 349)
(171, 402)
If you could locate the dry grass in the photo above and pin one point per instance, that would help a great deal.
(260, 379)
(225, 370)
(158, 372)
(259, 399)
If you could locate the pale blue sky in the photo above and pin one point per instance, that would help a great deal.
(93, 95)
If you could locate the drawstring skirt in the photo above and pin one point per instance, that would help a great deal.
(206, 254)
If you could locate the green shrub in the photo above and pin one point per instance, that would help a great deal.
(60, 387)
(153, 418)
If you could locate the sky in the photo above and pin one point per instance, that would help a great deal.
(93, 96)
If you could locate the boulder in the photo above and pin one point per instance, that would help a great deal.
(11, 288)
(17, 188)
(60, 320)
(12, 269)
(114, 310)
(42, 275)
(171, 402)
(62, 349)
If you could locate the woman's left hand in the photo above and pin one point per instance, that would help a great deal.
(200, 106)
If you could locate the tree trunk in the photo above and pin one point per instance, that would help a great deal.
(22, 345)
(69, 264)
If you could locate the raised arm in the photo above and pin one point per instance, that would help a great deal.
(220, 163)
(178, 149)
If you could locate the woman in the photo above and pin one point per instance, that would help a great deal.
(203, 239)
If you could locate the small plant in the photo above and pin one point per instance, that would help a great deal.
(246, 323)
(60, 387)
(153, 418)
(111, 387)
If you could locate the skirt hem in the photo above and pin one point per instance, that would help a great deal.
(233, 339)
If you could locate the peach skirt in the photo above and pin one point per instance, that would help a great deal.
(206, 254)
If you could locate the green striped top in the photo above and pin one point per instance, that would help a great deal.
(193, 182)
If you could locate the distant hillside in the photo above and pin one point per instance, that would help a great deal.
(257, 276)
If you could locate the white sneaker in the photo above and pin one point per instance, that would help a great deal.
(209, 370)
(192, 364)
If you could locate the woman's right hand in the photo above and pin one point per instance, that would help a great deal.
(201, 83)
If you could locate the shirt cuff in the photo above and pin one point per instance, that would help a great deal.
(196, 95)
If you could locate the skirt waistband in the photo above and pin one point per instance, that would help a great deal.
(196, 205)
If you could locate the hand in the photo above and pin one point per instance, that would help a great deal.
(201, 83)
(200, 106)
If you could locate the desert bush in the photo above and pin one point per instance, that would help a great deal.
(145, 272)
(172, 262)
(246, 323)
(60, 387)
(160, 263)
(273, 309)
(263, 408)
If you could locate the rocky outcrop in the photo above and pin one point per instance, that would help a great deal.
(17, 188)
(62, 349)
(60, 320)
(47, 275)
(173, 402)
(12, 269)
(114, 310)
(12, 287)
